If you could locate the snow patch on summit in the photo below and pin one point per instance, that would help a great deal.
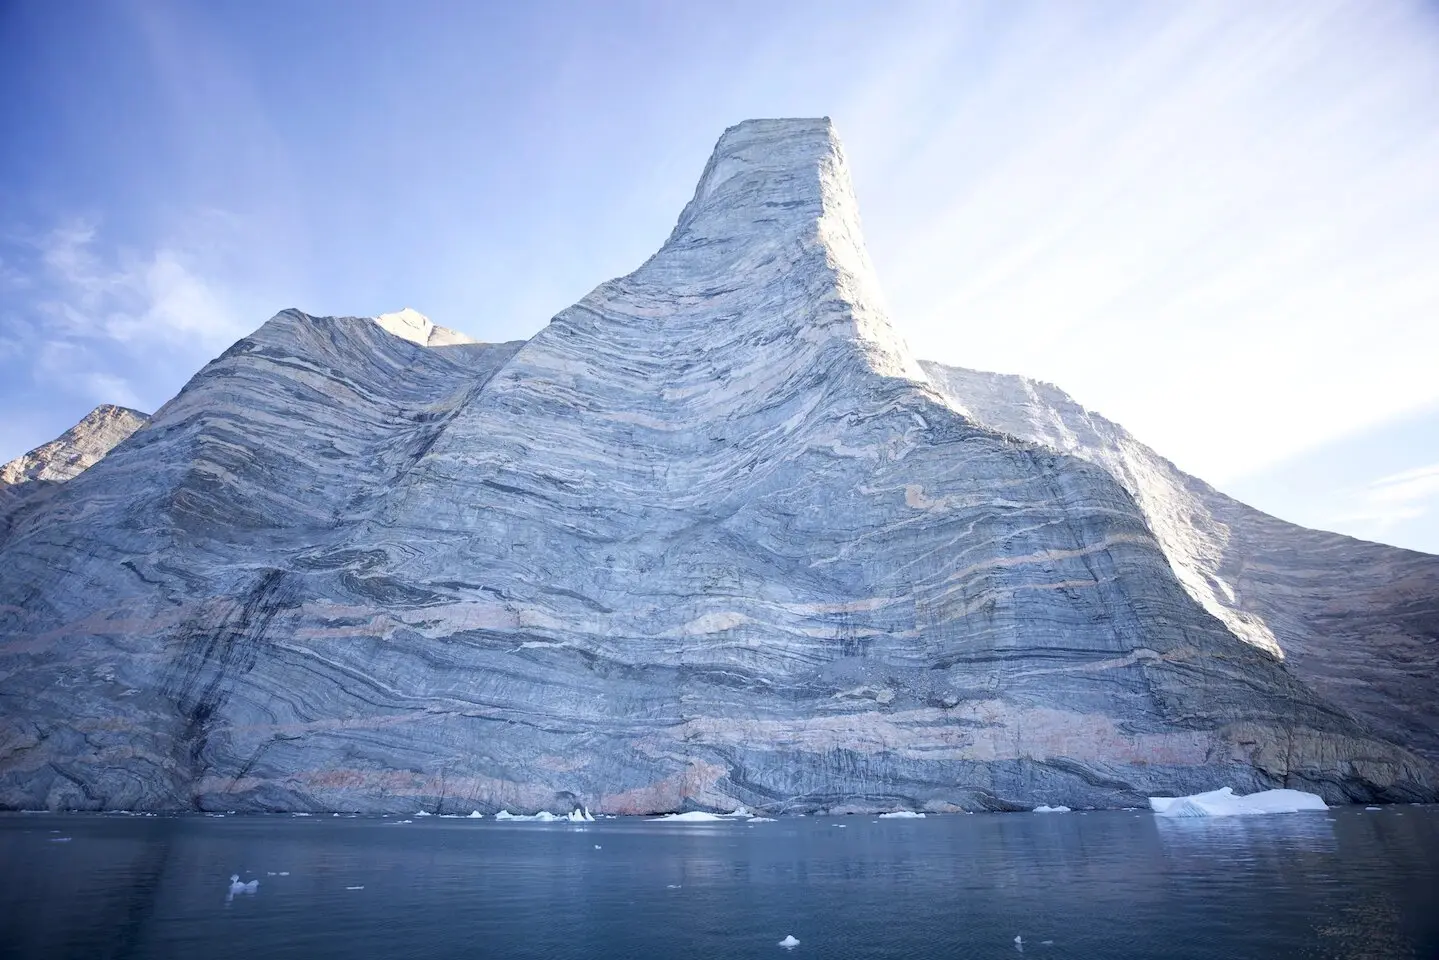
(412, 325)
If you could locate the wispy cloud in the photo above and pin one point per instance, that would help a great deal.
(100, 323)
(1395, 499)
(157, 296)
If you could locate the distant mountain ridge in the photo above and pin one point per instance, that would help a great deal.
(712, 537)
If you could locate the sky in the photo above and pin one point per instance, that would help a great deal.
(1215, 223)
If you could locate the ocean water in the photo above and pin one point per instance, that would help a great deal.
(1348, 883)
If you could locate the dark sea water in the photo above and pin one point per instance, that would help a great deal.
(1349, 883)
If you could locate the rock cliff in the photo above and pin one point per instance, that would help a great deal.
(711, 537)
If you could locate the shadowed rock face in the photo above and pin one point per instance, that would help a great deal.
(712, 537)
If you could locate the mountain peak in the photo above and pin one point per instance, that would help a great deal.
(412, 325)
(77, 449)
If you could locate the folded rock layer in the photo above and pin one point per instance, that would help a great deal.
(712, 537)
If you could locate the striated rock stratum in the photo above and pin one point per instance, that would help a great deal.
(712, 537)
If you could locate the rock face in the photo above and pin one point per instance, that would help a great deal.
(1357, 622)
(712, 537)
(75, 450)
(28, 480)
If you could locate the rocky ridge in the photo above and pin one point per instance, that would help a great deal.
(712, 537)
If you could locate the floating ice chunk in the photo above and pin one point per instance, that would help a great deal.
(761, 820)
(902, 815)
(1223, 803)
(284, 873)
(1373, 808)
(597, 846)
(789, 942)
(237, 887)
(740, 811)
(1019, 942)
(59, 839)
(580, 815)
(475, 815)
(693, 816)
(672, 886)
(421, 813)
(544, 816)
(297, 814)
(1047, 809)
(355, 888)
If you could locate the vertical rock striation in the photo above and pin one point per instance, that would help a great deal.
(711, 537)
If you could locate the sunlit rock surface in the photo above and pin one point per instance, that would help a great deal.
(1357, 622)
(712, 537)
(28, 480)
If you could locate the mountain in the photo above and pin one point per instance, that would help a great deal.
(712, 537)
(75, 450)
(28, 480)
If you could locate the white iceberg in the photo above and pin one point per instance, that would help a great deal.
(789, 942)
(1047, 809)
(580, 815)
(237, 887)
(544, 816)
(1224, 803)
(902, 815)
(740, 811)
(475, 815)
(693, 816)
(761, 819)
(421, 813)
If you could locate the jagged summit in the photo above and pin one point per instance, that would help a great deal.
(77, 449)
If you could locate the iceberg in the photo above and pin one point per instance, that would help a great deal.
(580, 815)
(694, 816)
(475, 815)
(789, 942)
(1042, 808)
(902, 815)
(544, 816)
(1224, 803)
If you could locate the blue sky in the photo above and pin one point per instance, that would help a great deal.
(1216, 223)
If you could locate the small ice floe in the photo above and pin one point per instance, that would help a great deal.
(361, 887)
(1042, 808)
(694, 816)
(284, 873)
(298, 814)
(398, 822)
(544, 816)
(421, 813)
(475, 815)
(902, 815)
(1019, 944)
(761, 820)
(789, 942)
(740, 812)
(672, 886)
(1373, 808)
(59, 839)
(597, 846)
(1046, 943)
(237, 887)
(580, 815)
(1223, 803)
